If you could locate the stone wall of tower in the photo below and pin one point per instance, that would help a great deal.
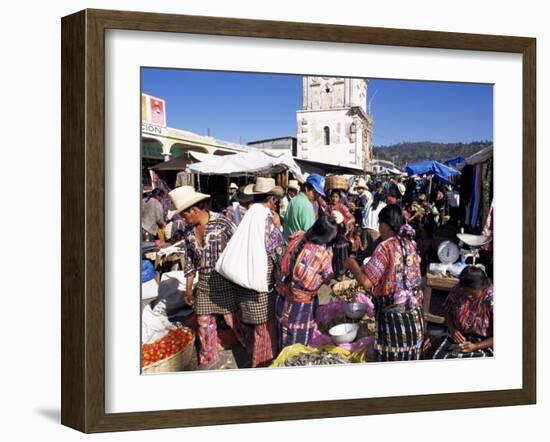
(333, 126)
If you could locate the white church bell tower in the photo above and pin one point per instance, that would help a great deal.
(334, 125)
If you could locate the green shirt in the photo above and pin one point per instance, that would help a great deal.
(299, 215)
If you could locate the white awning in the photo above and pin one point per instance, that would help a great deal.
(249, 163)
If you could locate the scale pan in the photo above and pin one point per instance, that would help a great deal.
(474, 240)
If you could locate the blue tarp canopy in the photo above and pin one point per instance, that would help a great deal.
(453, 162)
(441, 172)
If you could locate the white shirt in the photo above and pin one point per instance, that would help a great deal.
(453, 198)
(283, 205)
(370, 215)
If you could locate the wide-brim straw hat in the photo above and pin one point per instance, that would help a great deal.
(264, 186)
(233, 186)
(293, 184)
(402, 189)
(184, 197)
(361, 184)
(243, 198)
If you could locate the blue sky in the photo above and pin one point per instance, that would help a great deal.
(242, 107)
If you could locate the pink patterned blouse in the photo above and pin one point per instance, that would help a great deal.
(385, 268)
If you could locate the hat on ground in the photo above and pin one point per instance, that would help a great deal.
(233, 186)
(293, 184)
(184, 197)
(317, 182)
(361, 184)
(265, 186)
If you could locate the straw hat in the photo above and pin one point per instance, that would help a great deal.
(233, 186)
(402, 189)
(184, 197)
(293, 184)
(361, 184)
(243, 198)
(264, 186)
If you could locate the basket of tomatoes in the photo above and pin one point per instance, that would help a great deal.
(174, 352)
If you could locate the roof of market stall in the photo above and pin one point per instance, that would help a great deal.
(243, 164)
(175, 164)
(478, 157)
(430, 167)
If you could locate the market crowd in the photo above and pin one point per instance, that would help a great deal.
(261, 262)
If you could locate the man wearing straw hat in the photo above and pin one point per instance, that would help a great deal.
(292, 190)
(232, 191)
(237, 209)
(258, 237)
(206, 236)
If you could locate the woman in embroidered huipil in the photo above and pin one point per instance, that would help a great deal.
(469, 318)
(393, 275)
(306, 265)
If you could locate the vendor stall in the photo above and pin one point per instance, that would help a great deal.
(432, 168)
(476, 189)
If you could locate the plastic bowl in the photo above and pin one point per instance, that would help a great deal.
(355, 310)
(343, 333)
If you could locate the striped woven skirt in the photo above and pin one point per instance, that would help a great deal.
(295, 321)
(399, 333)
(446, 348)
(340, 254)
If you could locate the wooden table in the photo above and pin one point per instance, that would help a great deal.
(438, 283)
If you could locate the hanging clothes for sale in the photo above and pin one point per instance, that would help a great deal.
(486, 192)
(465, 194)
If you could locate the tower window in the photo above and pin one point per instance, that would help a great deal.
(326, 131)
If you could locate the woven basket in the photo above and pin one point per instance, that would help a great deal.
(179, 361)
(337, 182)
(347, 284)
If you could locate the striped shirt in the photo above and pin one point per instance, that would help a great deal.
(203, 257)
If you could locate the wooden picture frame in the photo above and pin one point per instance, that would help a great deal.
(83, 216)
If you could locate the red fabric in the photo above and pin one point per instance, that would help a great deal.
(348, 217)
(265, 344)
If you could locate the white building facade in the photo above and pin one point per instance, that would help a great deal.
(334, 125)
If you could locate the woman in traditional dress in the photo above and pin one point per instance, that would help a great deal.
(306, 265)
(469, 318)
(341, 245)
(393, 275)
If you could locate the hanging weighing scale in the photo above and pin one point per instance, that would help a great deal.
(475, 243)
(448, 253)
